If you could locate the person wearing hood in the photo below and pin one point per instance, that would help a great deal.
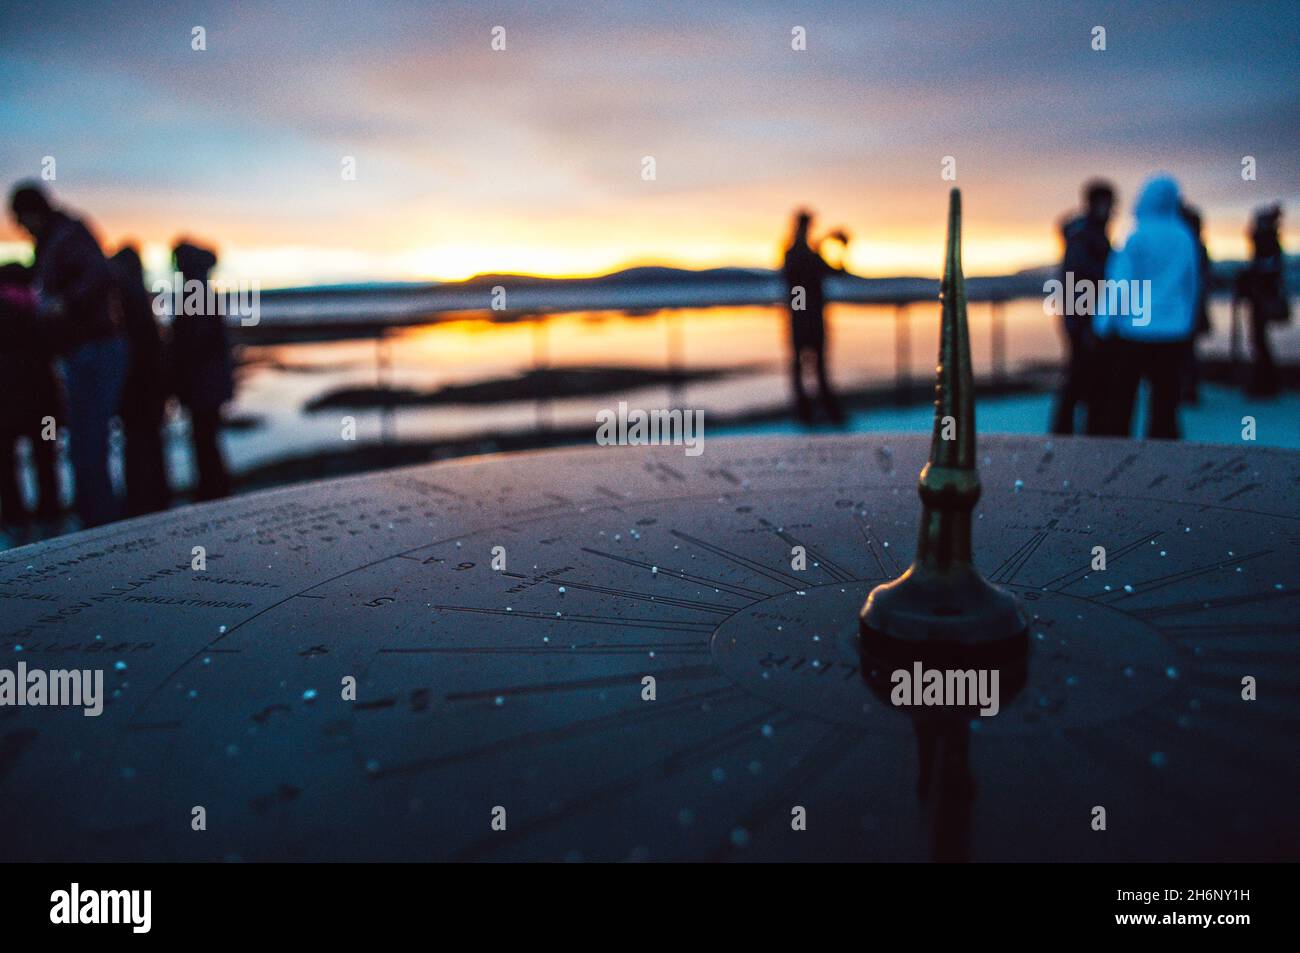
(1146, 315)
(79, 314)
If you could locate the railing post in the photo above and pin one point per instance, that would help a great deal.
(998, 340)
(902, 353)
(673, 335)
(541, 356)
(382, 363)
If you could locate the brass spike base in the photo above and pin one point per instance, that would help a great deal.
(952, 619)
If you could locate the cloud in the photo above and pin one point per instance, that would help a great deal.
(450, 138)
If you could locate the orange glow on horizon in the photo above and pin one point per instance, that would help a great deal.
(583, 249)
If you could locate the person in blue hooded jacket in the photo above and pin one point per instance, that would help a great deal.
(1146, 315)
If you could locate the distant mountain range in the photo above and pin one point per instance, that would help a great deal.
(759, 283)
(666, 275)
(375, 305)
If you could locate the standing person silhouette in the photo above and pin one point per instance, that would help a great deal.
(80, 315)
(31, 402)
(1087, 249)
(805, 271)
(1263, 284)
(201, 370)
(1158, 269)
(1190, 392)
(144, 394)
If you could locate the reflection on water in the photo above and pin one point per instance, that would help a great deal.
(280, 380)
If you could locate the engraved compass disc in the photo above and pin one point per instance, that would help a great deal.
(524, 687)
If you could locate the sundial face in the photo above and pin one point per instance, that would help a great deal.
(522, 688)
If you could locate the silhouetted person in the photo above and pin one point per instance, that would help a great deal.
(202, 372)
(1087, 249)
(1146, 316)
(144, 394)
(1191, 376)
(79, 312)
(1262, 283)
(30, 406)
(805, 271)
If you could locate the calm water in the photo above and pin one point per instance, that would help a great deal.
(280, 380)
(277, 382)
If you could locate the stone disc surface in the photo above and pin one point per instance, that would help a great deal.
(522, 687)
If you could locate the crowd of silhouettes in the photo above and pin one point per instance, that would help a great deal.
(1167, 277)
(1109, 351)
(80, 344)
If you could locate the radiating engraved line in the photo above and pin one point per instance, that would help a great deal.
(831, 569)
(774, 574)
(533, 513)
(1159, 582)
(1075, 575)
(1199, 605)
(632, 679)
(576, 618)
(1216, 472)
(647, 597)
(1119, 468)
(866, 537)
(677, 574)
(638, 648)
(295, 595)
(1095, 496)
(1012, 565)
(153, 692)
(671, 471)
(1238, 492)
(726, 475)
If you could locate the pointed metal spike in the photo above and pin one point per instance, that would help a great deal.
(942, 607)
(954, 388)
(950, 486)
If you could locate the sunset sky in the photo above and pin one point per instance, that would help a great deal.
(471, 160)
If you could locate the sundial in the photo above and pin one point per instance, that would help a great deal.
(512, 682)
